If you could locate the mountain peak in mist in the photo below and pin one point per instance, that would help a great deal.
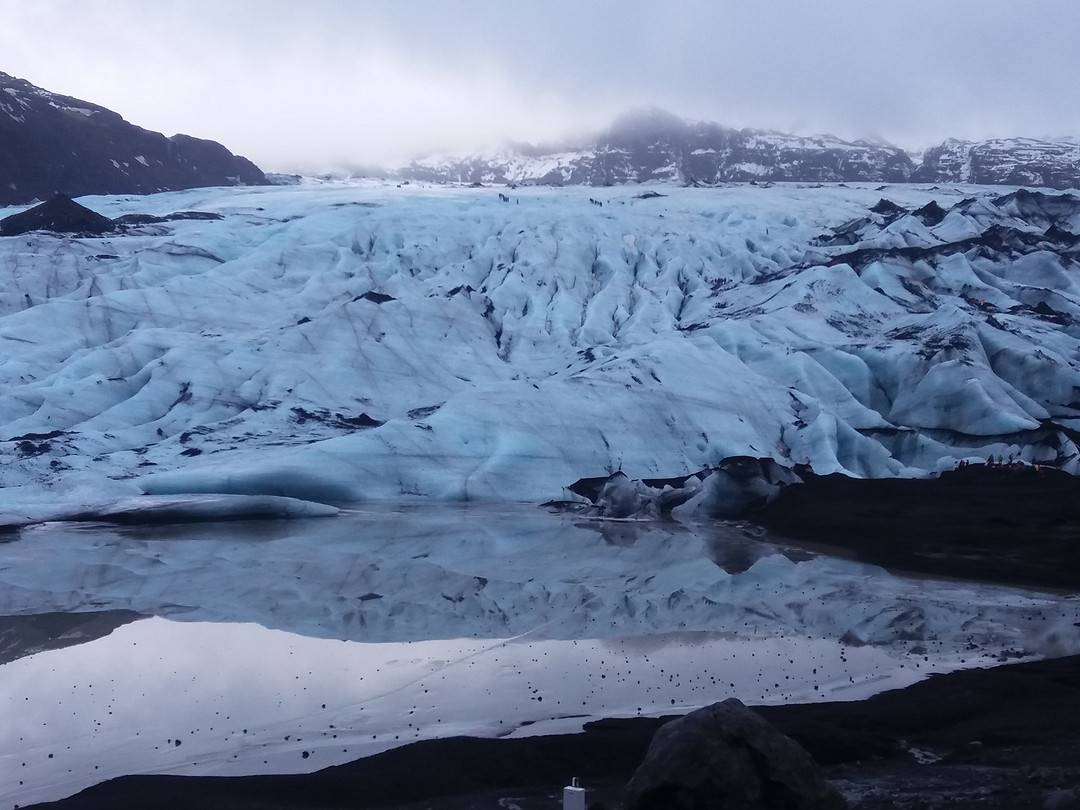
(651, 144)
(648, 121)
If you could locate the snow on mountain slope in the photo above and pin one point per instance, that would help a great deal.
(652, 145)
(341, 342)
(1015, 161)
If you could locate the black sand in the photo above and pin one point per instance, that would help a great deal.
(994, 524)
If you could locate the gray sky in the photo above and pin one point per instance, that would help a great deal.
(309, 84)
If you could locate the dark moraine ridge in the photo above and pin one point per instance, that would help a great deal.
(996, 524)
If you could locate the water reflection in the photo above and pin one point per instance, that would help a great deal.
(288, 645)
(190, 697)
(26, 635)
(426, 573)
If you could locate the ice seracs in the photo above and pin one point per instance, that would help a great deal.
(337, 342)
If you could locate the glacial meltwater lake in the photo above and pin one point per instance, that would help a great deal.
(286, 646)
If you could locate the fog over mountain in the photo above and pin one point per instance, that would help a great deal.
(51, 143)
(321, 84)
(653, 145)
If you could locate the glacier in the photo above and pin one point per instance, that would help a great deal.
(366, 341)
(405, 372)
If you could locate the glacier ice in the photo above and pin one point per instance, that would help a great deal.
(340, 342)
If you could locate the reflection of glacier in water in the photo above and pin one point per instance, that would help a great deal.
(457, 620)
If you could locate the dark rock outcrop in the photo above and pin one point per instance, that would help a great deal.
(61, 214)
(53, 144)
(1014, 526)
(726, 755)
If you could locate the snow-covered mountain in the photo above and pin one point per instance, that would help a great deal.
(338, 342)
(1010, 161)
(51, 143)
(653, 145)
(656, 146)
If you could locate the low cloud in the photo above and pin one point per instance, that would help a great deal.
(319, 84)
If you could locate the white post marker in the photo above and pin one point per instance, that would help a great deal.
(573, 797)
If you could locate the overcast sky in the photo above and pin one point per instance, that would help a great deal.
(309, 84)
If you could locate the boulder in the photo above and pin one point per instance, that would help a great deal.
(726, 756)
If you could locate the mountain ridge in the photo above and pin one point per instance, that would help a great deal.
(51, 143)
(655, 145)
